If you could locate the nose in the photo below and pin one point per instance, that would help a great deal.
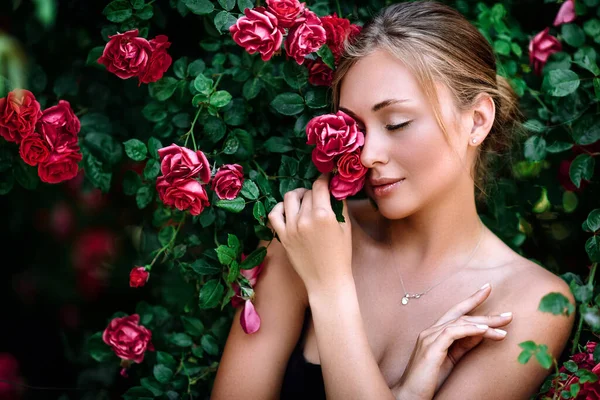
(373, 151)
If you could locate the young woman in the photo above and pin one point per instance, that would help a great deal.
(392, 296)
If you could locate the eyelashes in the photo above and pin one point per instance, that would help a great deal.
(399, 126)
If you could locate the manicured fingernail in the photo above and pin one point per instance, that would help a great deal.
(506, 314)
(485, 286)
(500, 331)
(481, 326)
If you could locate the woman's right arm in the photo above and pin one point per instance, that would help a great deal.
(253, 365)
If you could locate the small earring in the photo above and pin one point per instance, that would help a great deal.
(474, 140)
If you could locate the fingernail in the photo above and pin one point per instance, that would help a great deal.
(500, 331)
(506, 314)
(485, 286)
(481, 326)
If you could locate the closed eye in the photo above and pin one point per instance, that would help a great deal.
(399, 126)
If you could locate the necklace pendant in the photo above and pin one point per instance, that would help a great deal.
(404, 300)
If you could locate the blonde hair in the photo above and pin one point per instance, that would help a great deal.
(436, 42)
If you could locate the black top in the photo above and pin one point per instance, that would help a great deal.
(302, 379)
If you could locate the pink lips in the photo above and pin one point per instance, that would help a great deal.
(385, 189)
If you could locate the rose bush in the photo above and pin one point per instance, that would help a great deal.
(229, 111)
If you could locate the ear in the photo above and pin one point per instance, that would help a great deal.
(481, 116)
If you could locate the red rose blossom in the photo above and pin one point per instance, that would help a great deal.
(60, 166)
(338, 29)
(542, 46)
(128, 339)
(178, 162)
(126, 54)
(286, 11)
(258, 31)
(334, 135)
(341, 188)
(319, 73)
(159, 62)
(306, 36)
(228, 181)
(19, 112)
(34, 149)
(138, 277)
(62, 116)
(183, 194)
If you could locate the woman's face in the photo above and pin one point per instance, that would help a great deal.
(403, 139)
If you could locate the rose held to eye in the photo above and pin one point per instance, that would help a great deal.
(334, 135)
(19, 113)
(127, 338)
(126, 55)
(286, 11)
(228, 181)
(350, 178)
(258, 31)
(542, 46)
(306, 36)
(138, 277)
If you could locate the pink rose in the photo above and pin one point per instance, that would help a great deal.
(178, 162)
(252, 276)
(159, 62)
(542, 46)
(334, 135)
(228, 181)
(566, 13)
(249, 319)
(341, 188)
(183, 194)
(319, 73)
(62, 116)
(128, 339)
(286, 11)
(338, 29)
(19, 112)
(33, 149)
(258, 31)
(349, 166)
(306, 36)
(126, 54)
(60, 165)
(138, 277)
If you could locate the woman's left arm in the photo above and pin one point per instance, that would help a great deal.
(491, 371)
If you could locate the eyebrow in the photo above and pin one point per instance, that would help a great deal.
(376, 107)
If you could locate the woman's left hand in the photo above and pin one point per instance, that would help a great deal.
(317, 245)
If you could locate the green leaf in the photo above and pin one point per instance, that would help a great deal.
(162, 373)
(182, 120)
(316, 98)
(144, 196)
(154, 112)
(210, 345)
(573, 35)
(234, 243)
(153, 145)
(524, 357)
(26, 175)
(255, 258)
(136, 149)
(137, 4)
(534, 125)
(586, 376)
(214, 128)
(544, 358)
(152, 169)
(252, 88)
(227, 4)
(131, 182)
(192, 325)
(235, 206)
(138, 392)
(220, 98)
(587, 130)
(95, 172)
(210, 294)
(558, 147)
(592, 247)
(560, 82)
(200, 7)
(597, 87)
(243, 4)
(203, 267)
(166, 359)
(556, 303)
(592, 28)
(250, 190)
(502, 47)
(203, 84)
(593, 220)
(99, 350)
(528, 346)
(145, 13)
(181, 340)
(163, 89)
(582, 167)
(288, 103)
(226, 254)
(223, 20)
(516, 49)
(277, 144)
(327, 56)
(94, 55)
(535, 148)
(259, 212)
(296, 76)
(166, 235)
(571, 366)
(180, 67)
(104, 146)
(196, 68)
(118, 11)
(152, 385)
(582, 293)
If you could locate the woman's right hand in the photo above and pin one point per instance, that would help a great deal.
(440, 347)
